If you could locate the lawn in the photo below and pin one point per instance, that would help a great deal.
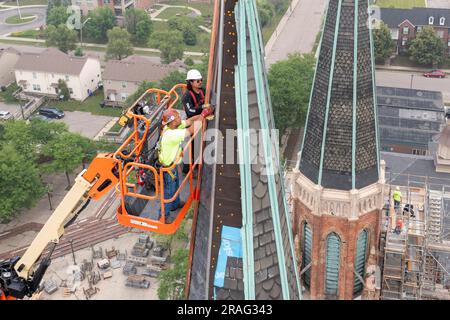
(16, 19)
(6, 96)
(270, 28)
(400, 3)
(159, 26)
(206, 8)
(31, 34)
(91, 104)
(172, 12)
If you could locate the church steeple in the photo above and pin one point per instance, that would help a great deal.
(340, 148)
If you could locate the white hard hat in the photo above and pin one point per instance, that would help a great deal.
(193, 75)
(146, 109)
(398, 188)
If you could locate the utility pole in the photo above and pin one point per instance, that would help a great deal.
(412, 77)
(81, 32)
(18, 9)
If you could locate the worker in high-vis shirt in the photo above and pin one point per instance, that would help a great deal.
(397, 196)
(173, 134)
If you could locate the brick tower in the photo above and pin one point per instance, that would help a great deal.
(337, 185)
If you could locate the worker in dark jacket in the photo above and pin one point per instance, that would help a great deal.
(193, 101)
(194, 97)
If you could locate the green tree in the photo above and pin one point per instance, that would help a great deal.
(172, 281)
(56, 3)
(265, 12)
(19, 134)
(61, 37)
(290, 84)
(20, 181)
(66, 150)
(384, 46)
(102, 20)
(63, 89)
(119, 44)
(57, 15)
(187, 27)
(170, 43)
(143, 30)
(427, 48)
(172, 79)
(79, 52)
(188, 61)
(138, 24)
(190, 35)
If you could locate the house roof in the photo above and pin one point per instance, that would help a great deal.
(410, 98)
(8, 50)
(51, 60)
(136, 69)
(404, 169)
(417, 16)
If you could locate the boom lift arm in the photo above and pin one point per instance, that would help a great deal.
(17, 276)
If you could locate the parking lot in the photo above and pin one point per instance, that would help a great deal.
(12, 108)
(85, 123)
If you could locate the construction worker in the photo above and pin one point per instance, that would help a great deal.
(398, 226)
(397, 196)
(193, 101)
(173, 134)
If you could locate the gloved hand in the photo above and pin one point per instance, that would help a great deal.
(207, 112)
(206, 106)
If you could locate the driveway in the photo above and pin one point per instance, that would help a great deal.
(85, 123)
(443, 4)
(5, 28)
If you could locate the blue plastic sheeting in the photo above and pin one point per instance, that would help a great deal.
(230, 246)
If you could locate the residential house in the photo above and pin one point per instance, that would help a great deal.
(8, 58)
(117, 6)
(409, 119)
(38, 73)
(406, 23)
(121, 78)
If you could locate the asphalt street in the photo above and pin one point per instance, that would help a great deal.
(5, 28)
(300, 31)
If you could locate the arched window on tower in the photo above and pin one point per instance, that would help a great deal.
(306, 253)
(360, 260)
(332, 263)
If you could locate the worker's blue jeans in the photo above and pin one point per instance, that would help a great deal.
(171, 186)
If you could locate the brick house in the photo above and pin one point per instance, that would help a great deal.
(406, 23)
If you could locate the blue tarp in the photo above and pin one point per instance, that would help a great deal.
(230, 246)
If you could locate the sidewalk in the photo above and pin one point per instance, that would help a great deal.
(94, 45)
(407, 69)
(8, 7)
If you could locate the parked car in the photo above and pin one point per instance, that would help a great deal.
(5, 115)
(434, 74)
(53, 113)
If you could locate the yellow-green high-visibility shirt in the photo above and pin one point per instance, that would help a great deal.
(170, 144)
(397, 195)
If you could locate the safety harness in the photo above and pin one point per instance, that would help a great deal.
(196, 103)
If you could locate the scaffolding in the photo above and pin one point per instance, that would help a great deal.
(416, 261)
